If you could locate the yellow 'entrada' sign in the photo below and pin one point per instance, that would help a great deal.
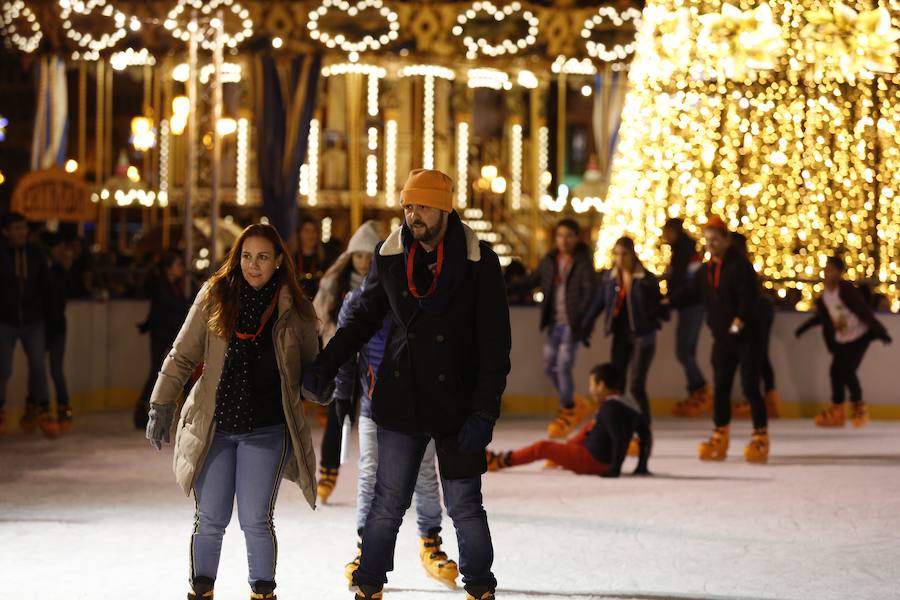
(51, 194)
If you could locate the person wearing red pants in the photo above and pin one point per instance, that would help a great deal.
(601, 446)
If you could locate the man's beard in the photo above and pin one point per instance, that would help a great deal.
(429, 235)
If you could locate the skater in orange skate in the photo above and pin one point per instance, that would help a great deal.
(765, 311)
(568, 282)
(728, 284)
(683, 267)
(849, 326)
(601, 445)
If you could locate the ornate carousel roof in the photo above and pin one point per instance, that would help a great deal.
(135, 32)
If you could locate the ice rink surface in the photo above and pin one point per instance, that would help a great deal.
(98, 515)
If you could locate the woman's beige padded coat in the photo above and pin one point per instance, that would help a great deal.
(296, 344)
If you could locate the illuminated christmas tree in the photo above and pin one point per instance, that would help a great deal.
(781, 117)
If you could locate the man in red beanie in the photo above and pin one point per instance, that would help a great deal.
(728, 285)
(443, 373)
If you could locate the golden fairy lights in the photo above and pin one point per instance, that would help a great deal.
(354, 46)
(492, 13)
(91, 46)
(609, 14)
(231, 38)
(462, 164)
(803, 158)
(21, 26)
(390, 162)
(241, 182)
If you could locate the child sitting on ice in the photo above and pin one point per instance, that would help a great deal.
(601, 446)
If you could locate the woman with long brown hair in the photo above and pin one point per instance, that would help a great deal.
(629, 296)
(242, 426)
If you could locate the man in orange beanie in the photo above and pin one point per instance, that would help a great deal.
(728, 285)
(442, 375)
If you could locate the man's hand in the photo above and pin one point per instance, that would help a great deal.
(315, 387)
(476, 434)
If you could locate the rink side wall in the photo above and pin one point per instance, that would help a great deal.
(107, 361)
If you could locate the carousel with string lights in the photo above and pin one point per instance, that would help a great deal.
(189, 112)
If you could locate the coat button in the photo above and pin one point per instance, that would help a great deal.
(441, 378)
(405, 294)
(397, 374)
(440, 337)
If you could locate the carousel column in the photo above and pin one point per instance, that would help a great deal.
(101, 234)
(536, 125)
(462, 160)
(166, 147)
(561, 129)
(146, 155)
(191, 141)
(217, 145)
(354, 137)
(82, 124)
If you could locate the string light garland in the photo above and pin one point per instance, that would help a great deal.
(802, 160)
(428, 123)
(527, 80)
(474, 47)
(241, 181)
(92, 46)
(207, 8)
(131, 58)
(28, 41)
(608, 13)
(493, 79)
(312, 160)
(515, 166)
(428, 70)
(372, 163)
(164, 162)
(462, 164)
(369, 41)
(390, 163)
(573, 66)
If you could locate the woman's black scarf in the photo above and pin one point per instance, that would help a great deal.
(454, 269)
(234, 402)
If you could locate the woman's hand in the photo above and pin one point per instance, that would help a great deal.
(160, 424)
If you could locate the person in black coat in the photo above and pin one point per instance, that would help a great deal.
(313, 257)
(849, 326)
(629, 298)
(443, 374)
(765, 316)
(568, 282)
(728, 285)
(682, 268)
(168, 309)
(24, 287)
(55, 323)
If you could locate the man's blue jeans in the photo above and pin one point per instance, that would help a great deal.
(399, 459)
(428, 495)
(34, 344)
(687, 333)
(559, 359)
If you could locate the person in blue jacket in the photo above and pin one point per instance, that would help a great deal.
(353, 385)
(629, 298)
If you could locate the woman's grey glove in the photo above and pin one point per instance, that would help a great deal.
(160, 424)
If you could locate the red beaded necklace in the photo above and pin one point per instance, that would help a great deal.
(437, 272)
